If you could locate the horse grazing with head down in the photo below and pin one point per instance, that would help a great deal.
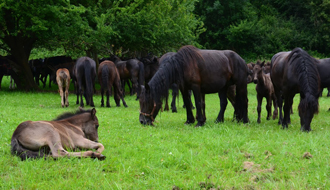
(108, 77)
(203, 72)
(265, 89)
(291, 73)
(84, 72)
(70, 131)
(63, 82)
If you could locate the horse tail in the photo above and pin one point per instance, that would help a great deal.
(63, 75)
(309, 80)
(105, 77)
(88, 80)
(18, 150)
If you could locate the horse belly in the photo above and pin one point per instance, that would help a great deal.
(36, 135)
(213, 87)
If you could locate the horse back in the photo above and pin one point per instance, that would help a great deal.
(279, 68)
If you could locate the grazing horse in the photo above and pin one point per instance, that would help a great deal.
(108, 77)
(132, 69)
(84, 73)
(265, 89)
(202, 71)
(63, 82)
(37, 139)
(291, 73)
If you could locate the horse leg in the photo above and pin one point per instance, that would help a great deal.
(275, 113)
(259, 98)
(81, 94)
(175, 92)
(269, 106)
(280, 106)
(67, 86)
(166, 104)
(203, 107)
(223, 105)
(102, 94)
(186, 100)
(198, 104)
(286, 108)
(241, 102)
(108, 94)
(62, 96)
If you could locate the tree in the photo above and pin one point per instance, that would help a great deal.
(28, 24)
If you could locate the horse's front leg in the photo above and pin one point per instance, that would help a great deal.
(223, 105)
(280, 106)
(186, 101)
(175, 92)
(259, 98)
(269, 106)
(287, 106)
(198, 104)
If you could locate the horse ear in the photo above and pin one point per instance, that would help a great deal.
(93, 112)
(262, 64)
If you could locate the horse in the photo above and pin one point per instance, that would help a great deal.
(108, 76)
(48, 67)
(250, 69)
(84, 73)
(63, 82)
(132, 69)
(202, 71)
(265, 89)
(291, 73)
(70, 131)
(323, 66)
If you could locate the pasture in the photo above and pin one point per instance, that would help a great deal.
(171, 155)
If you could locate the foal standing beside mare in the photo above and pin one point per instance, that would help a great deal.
(85, 74)
(291, 73)
(70, 131)
(265, 89)
(63, 82)
(108, 77)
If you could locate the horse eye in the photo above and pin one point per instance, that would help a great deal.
(97, 126)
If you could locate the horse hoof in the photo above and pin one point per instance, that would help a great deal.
(174, 111)
(101, 157)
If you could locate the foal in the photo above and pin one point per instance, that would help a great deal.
(63, 81)
(265, 89)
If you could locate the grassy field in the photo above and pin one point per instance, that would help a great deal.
(171, 155)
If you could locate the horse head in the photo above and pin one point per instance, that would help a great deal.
(257, 71)
(149, 107)
(91, 126)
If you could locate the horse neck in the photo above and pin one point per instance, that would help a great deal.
(78, 120)
(261, 78)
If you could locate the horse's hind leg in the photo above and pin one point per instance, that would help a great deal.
(223, 105)
(67, 93)
(108, 94)
(102, 94)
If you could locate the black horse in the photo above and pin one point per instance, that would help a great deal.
(131, 69)
(323, 67)
(202, 71)
(84, 73)
(291, 73)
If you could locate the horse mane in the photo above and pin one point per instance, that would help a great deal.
(67, 115)
(171, 70)
(308, 77)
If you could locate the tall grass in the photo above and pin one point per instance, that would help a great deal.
(170, 154)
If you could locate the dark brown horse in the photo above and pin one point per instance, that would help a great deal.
(202, 71)
(84, 76)
(291, 73)
(131, 69)
(265, 89)
(108, 77)
(70, 131)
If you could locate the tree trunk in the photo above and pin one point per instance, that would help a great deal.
(20, 49)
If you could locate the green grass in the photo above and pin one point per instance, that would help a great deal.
(170, 153)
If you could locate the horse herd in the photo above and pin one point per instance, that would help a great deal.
(189, 70)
